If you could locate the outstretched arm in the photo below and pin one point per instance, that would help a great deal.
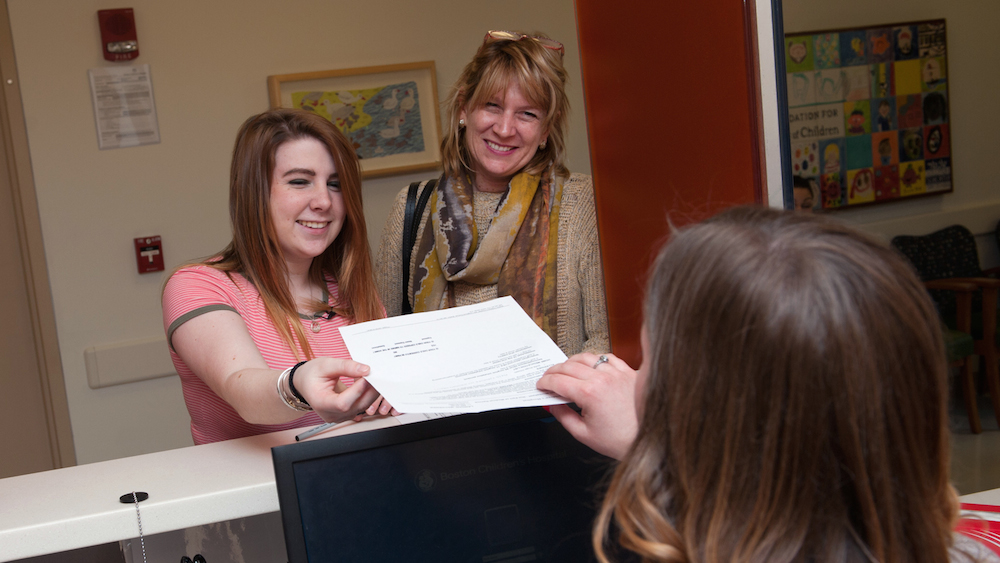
(605, 393)
(218, 348)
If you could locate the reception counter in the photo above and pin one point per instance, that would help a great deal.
(75, 507)
(991, 497)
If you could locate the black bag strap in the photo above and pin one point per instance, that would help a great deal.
(411, 222)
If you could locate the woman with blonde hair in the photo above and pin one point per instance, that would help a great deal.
(791, 404)
(253, 330)
(506, 217)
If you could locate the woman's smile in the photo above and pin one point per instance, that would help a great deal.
(314, 224)
(498, 148)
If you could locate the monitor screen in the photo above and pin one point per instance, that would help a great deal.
(497, 487)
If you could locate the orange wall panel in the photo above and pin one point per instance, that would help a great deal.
(672, 116)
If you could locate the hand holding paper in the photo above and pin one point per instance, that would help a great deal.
(466, 359)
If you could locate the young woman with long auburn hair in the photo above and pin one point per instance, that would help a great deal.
(297, 268)
(791, 404)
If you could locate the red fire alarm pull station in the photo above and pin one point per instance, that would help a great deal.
(149, 254)
(118, 35)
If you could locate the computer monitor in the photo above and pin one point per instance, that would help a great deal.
(497, 487)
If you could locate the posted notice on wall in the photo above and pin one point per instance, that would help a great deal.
(124, 109)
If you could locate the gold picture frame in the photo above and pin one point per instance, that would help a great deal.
(390, 113)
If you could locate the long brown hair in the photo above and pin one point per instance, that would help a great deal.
(538, 71)
(254, 251)
(795, 404)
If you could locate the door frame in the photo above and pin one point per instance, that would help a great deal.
(28, 223)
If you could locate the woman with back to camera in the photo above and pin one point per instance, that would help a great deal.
(506, 217)
(791, 404)
(253, 330)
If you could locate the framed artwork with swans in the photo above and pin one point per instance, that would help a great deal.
(390, 113)
(868, 113)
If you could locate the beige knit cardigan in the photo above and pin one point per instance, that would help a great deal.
(581, 316)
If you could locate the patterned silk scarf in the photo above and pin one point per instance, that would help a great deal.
(518, 252)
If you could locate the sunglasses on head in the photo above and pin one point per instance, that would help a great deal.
(511, 36)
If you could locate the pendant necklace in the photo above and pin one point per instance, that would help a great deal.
(315, 318)
(315, 325)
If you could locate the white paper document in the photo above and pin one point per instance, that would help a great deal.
(466, 359)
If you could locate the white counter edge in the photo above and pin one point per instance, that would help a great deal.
(76, 507)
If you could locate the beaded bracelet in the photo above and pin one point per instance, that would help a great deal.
(288, 393)
(291, 384)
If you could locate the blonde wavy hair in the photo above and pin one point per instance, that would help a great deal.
(539, 73)
(795, 407)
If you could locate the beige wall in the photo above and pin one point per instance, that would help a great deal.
(209, 60)
(973, 85)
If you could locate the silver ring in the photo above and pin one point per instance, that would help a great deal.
(602, 359)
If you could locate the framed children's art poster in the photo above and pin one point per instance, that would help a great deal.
(389, 113)
(868, 114)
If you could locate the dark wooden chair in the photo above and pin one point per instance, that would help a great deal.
(948, 263)
(960, 345)
(996, 233)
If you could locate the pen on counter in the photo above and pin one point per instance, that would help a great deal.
(314, 431)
